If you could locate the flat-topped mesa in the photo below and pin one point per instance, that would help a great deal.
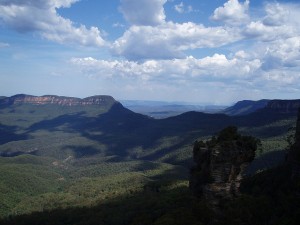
(56, 100)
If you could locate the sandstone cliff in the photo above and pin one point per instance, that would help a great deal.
(294, 153)
(220, 164)
(57, 100)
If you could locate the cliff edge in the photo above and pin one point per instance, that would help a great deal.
(56, 100)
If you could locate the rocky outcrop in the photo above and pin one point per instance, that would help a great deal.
(294, 152)
(56, 100)
(219, 165)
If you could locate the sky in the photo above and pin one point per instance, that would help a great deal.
(201, 51)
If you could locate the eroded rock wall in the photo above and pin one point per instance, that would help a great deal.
(58, 100)
(220, 164)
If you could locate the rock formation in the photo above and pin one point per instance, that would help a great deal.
(294, 152)
(57, 100)
(220, 164)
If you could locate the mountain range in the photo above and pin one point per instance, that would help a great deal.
(106, 127)
(161, 109)
(88, 150)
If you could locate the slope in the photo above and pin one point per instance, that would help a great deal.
(245, 107)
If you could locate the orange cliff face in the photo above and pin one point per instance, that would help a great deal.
(56, 100)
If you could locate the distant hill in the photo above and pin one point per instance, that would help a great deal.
(160, 109)
(245, 107)
(56, 100)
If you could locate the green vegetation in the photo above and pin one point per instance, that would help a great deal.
(93, 165)
(32, 183)
(269, 198)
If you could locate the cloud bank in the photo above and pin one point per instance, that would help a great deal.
(241, 49)
(41, 16)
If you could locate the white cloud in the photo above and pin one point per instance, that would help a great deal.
(262, 32)
(282, 21)
(41, 16)
(216, 66)
(166, 40)
(283, 54)
(181, 8)
(243, 71)
(169, 40)
(233, 12)
(41, 3)
(143, 12)
(276, 15)
(264, 50)
(179, 78)
(118, 25)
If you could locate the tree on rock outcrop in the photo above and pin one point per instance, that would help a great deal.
(220, 163)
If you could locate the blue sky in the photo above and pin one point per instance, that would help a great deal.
(214, 52)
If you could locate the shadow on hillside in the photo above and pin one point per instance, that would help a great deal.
(259, 123)
(68, 122)
(148, 207)
(270, 197)
(82, 151)
(161, 201)
(122, 130)
(266, 161)
(8, 134)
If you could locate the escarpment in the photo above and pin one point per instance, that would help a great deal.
(293, 157)
(56, 100)
(283, 106)
(219, 165)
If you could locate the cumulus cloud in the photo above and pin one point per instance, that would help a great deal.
(276, 14)
(169, 40)
(266, 33)
(155, 50)
(217, 66)
(233, 12)
(283, 54)
(41, 16)
(282, 21)
(143, 12)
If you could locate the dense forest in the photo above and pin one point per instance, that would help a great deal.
(103, 164)
(268, 197)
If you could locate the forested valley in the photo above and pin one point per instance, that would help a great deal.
(92, 161)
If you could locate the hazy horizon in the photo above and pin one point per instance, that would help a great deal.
(159, 102)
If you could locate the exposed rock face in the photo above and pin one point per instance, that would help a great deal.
(294, 153)
(283, 106)
(297, 135)
(57, 100)
(220, 164)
